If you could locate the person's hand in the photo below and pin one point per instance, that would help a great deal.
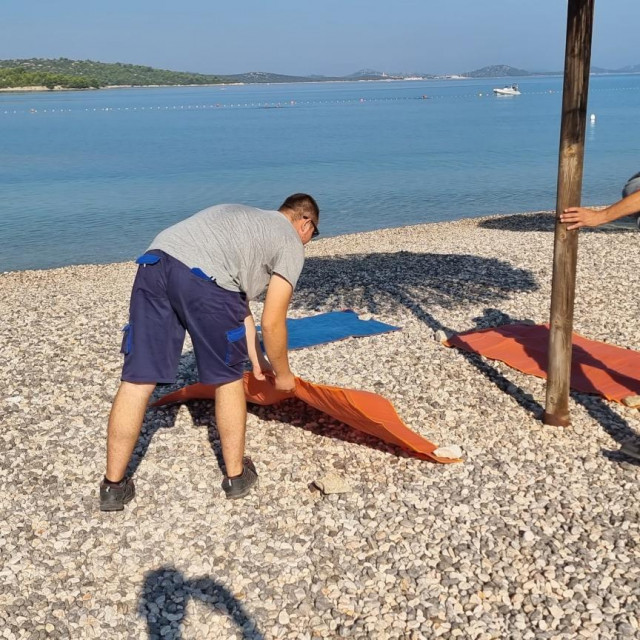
(285, 382)
(260, 367)
(580, 217)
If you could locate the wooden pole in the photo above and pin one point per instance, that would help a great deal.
(565, 252)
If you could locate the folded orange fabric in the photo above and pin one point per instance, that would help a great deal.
(596, 367)
(362, 410)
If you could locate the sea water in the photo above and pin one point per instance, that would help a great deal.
(92, 176)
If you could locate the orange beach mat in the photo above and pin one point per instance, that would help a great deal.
(362, 410)
(596, 367)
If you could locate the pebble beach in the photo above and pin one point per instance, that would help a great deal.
(535, 535)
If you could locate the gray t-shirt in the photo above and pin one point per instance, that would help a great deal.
(238, 246)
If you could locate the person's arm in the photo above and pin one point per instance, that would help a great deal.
(258, 362)
(274, 330)
(582, 217)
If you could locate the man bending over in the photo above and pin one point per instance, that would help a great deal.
(198, 276)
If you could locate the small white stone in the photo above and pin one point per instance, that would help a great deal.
(452, 452)
(632, 401)
(556, 611)
(283, 618)
(332, 483)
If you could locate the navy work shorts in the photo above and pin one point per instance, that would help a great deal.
(169, 298)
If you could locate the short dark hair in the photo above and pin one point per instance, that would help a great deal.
(302, 205)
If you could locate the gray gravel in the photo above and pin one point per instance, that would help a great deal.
(536, 535)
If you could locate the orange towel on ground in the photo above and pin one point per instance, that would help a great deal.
(362, 410)
(596, 367)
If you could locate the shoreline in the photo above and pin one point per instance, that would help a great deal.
(417, 226)
(41, 89)
(452, 78)
(324, 238)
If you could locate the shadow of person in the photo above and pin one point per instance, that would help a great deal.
(545, 221)
(164, 598)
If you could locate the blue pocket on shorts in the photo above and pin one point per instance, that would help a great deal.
(148, 258)
(127, 339)
(236, 346)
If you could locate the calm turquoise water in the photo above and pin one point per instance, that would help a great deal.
(92, 176)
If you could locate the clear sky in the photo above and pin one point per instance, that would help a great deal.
(330, 37)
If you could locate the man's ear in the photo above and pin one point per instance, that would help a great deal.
(299, 226)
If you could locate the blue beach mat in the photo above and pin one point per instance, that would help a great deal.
(332, 326)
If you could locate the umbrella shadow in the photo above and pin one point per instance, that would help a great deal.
(166, 593)
(379, 282)
(546, 221)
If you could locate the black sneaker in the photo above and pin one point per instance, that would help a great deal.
(113, 497)
(239, 486)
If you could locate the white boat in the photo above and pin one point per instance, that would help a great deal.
(508, 91)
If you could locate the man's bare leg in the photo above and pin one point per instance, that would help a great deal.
(125, 422)
(231, 418)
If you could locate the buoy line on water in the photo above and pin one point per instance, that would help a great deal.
(286, 104)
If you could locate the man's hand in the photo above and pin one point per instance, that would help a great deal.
(285, 382)
(581, 217)
(260, 367)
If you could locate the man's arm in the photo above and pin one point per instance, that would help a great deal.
(582, 217)
(258, 362)
(274, 330)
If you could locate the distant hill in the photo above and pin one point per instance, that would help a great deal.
(496, 71)
(629, 69)
(264, 77)
(505, 71)
(372, 74)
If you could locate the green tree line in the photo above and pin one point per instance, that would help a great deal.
(99, 73)
(10, 78)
